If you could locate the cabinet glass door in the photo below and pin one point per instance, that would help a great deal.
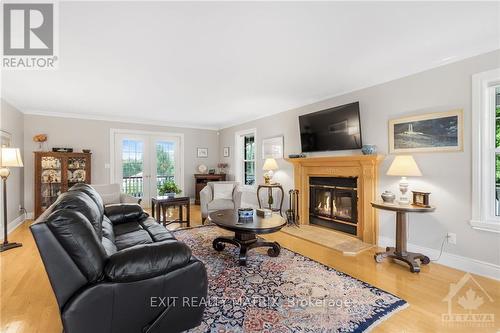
(76, 171)
(51, 180)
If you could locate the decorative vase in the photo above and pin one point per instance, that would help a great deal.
(369, 149)
(170, 194)
(388, 197)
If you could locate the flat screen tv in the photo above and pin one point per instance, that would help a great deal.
(336, 128)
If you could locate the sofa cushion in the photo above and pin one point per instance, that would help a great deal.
(107, 229)
(110, 198)
(124, 213)
(148, 261)
(78, 237)
(109, 246)
(132, 238)
(220, 204)
(158, 232)
(92, 193)
(81, 202)
(124, 228)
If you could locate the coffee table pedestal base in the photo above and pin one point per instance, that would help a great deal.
(246, 241)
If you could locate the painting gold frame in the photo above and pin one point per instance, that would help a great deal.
(428, 116)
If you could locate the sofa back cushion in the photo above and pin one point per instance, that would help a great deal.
(125, 213)
(92, 193)
(81, 202)
(77, 236)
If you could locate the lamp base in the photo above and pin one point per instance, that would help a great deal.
(7, 246)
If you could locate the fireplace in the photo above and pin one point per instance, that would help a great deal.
(333, 203)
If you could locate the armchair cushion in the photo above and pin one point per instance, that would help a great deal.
(218, 204)
(223, 191)
(124, 213)
(146, 261)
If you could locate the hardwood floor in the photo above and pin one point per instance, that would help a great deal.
(28, 304)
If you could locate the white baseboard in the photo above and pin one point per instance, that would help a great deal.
(13, 225)
(451, 260)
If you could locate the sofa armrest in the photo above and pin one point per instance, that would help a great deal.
(147, 261)
(127, 198)
(123, 213)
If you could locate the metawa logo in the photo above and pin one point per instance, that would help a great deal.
(469, 294)
(29, 36)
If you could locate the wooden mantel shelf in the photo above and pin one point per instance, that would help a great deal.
(363, 167)
(343, 158)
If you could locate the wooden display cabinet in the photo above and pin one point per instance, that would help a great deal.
(55, 173)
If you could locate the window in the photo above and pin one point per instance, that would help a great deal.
(486, 151)
(245, 157)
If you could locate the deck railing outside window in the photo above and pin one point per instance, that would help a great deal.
(135, 187)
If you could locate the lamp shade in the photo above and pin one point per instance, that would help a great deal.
(11, 157)
(270, 165)
(404, 166)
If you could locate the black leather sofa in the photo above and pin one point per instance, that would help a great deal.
(115, 269)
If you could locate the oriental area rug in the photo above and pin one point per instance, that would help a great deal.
(288, 293)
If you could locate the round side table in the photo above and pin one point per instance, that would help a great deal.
(399, 252)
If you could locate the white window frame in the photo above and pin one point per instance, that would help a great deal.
(239, 162)
(483, 151)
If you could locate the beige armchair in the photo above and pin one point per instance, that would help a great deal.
(210, 204)
(112, 194)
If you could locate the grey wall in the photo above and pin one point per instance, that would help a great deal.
(11, 120)
(94, 135)
(446, 175)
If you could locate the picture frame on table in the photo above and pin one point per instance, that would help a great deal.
(202, 152)
(272, 147)
(430, 132)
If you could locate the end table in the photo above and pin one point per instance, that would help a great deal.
(270, 199)
(399, 252)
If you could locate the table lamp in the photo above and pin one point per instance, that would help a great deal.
(270, 166)
(404, 166)
(10, 158)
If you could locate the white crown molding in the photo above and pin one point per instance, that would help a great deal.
(475, 266)
(115, 119)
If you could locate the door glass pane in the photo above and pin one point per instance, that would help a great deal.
(165, 162)
(133, 167)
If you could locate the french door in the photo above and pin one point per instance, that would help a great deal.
(144, 161)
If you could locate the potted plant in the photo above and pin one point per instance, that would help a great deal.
(169, 189)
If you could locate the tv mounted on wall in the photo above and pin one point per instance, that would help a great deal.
(337, 128)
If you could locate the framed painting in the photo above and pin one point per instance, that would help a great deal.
(431, 132)
(202, 152)
(272, 148)
(226, 152)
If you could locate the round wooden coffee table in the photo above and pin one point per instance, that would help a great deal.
(245, 232)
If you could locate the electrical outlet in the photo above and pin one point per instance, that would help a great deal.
(452, 238)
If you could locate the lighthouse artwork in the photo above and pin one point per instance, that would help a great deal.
(440, 131)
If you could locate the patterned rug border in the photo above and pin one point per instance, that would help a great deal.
(365, 327)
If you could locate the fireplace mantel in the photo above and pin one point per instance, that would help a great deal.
(364, 167)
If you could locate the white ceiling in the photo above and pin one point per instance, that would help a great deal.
(212, 65)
